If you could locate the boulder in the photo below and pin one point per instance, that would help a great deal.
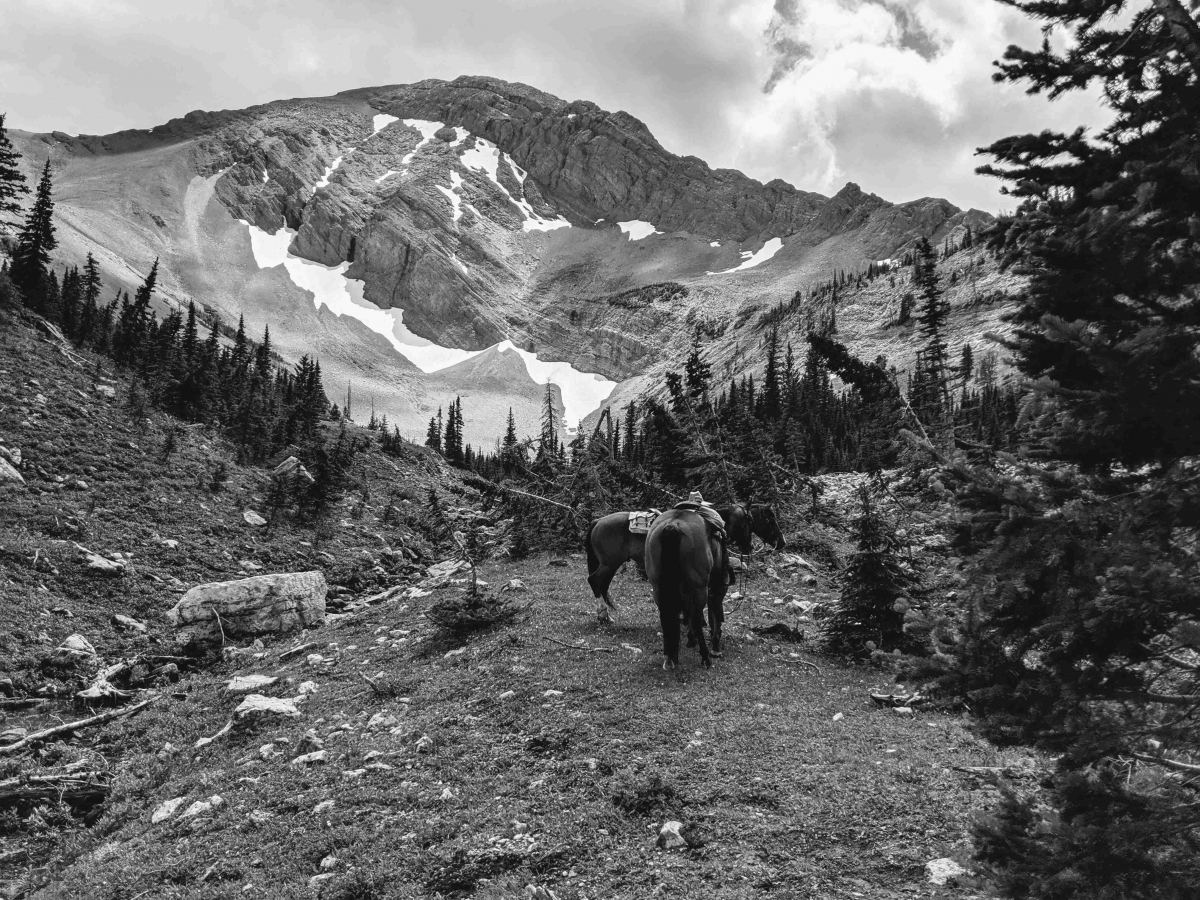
(263, 604)
(9, 475)
(106, 390)
(292, 467)
(257, 707)
(11, 455)
(254, 519)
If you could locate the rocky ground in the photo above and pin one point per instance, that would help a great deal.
(376, 755)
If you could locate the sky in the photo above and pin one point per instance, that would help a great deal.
(894, 95)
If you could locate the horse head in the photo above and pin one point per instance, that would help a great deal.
(737, 526)
(766, 526)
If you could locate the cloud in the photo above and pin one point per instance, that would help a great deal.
(893, 94)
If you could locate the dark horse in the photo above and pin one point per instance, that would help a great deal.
(610, 544)
(685, 562)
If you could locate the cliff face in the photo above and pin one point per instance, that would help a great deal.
(461, 213)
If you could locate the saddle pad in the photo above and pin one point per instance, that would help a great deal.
(639, 522)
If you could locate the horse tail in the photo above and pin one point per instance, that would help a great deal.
(670, 584)
(592, 558)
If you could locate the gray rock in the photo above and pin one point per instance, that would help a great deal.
(202, 807)
(670, 836)
(166, 809)
(128, 624)
(292, 467)
(317, 757)
(254, 519)
(9, 475)
(245, 684)
(77, 644)
(100, 565)
(939, 871)
(257, 707)
(264, 604)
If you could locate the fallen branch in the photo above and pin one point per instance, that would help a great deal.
(286, 654)
(584, 649)
(1172, 764)
(74, 726)
(79, 787)
(21, 702)
(542, 499)
(815, 667)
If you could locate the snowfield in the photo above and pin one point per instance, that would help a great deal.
(582, 392)
(382, 121)
(453, 196)
(750, 260)
(636, 229)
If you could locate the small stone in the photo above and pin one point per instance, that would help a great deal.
(261, 817)
(383, 720)
(171, 544)
(447, 794)
(939, 871)
(507, 695)
(670, 836)
(245, 684)
(550, 695)
(202, 807)
(425, 744)
(165, 810)
(311, 759)
(79, 645)
(257, 706)
(306, 688)
(128, 623)
(322, 807)
(316, 880)
(838, 717)
(903, 711)
(329, 862)
(253, 519)
(516, 585)
(314, 659)
(266, 751)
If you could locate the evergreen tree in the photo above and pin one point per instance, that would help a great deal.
(548, 445)
(870, 613)
(772, 394)
(12, 182)
(1087, 630)
(933, 394)
(433, 436)
(510, 448)
(31, 257)
(697, 375)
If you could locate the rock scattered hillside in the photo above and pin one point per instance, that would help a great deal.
(461, 213)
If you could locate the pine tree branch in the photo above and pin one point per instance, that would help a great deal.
(1184, 30)
(74, 726)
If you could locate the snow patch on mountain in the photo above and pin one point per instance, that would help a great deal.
(428, 130)
(750, 260)
(582, 392)
(324, 182)
(388, 174)
(637, 229)
(382, 121)
(266, 176)
(452, 194)
(484, 156)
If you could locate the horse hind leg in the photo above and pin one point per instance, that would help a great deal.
(599, 580)
(669, 620)
(697, 631)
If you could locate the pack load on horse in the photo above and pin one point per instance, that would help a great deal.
(616, 538)
(685, 562)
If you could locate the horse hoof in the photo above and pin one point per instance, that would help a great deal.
(668, 665)
(708, 663)
(717, 653)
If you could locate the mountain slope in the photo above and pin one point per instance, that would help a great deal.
(396, 230)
